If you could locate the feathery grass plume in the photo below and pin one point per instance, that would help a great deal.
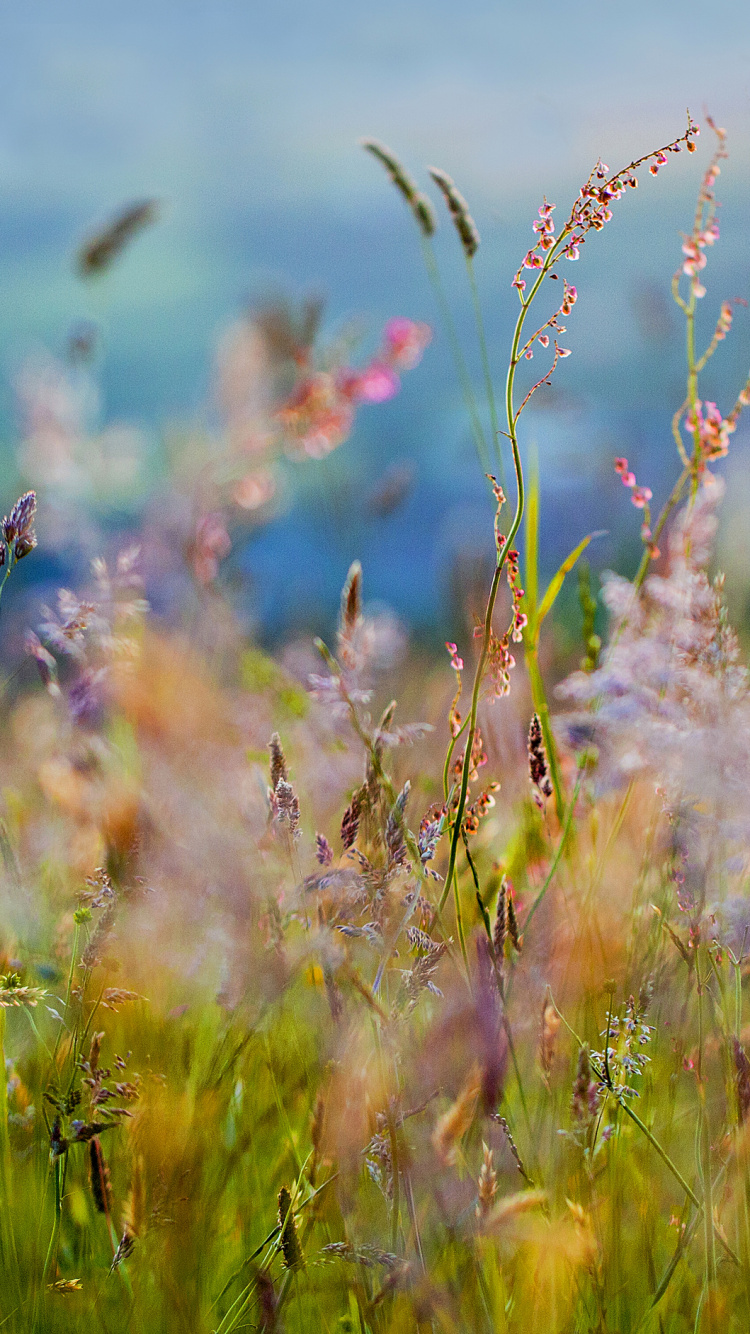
(486, 1184)
(514, 1205)
(101, 250)
(513, 928)
(547, 1038)
(124, 1250)
(742, 1081)
(454, 1123)
(64, 1286)
(350, 617)
(278, 762)
(288, 1239)
(538, 766)
(287, 806)
(418, 202)
(459, 211)
(323, 850)
(350, 820)
(101, 1186)
(394, 830)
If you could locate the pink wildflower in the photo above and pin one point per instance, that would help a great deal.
(457, 663)
(405, 342)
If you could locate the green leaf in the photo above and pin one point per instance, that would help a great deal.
(557, 580)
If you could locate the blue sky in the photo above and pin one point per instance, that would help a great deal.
(244, 118)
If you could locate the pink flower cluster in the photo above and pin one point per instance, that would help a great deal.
(592, 208)
(457, 663)
(641, 495)
(713, 430)
(693, 248)
(319, 413)
(500, 661)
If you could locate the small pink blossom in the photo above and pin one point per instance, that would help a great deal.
(457, 663)
(405, 341)
(377, 383)
(641, 496)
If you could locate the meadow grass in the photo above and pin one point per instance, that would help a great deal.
(318, 1019)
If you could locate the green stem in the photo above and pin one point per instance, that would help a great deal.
(486, 366)
(464, 378)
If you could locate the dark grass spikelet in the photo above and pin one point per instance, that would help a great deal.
(459, 211)
(288, 1239)
(500, 929)
(501, 1121)
(350, 820)
(742, 1068)
(513, 928)
(101, 1187)
(418, 202)
(278, 762)
(323, 850)
(124, 1250)
(538, 767)
(98, 253)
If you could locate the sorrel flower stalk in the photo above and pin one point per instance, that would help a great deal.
(590, 212)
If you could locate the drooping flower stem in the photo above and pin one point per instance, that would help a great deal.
(511, 420)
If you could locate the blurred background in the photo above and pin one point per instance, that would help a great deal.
(136, 395)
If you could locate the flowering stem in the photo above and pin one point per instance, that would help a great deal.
(511, 419)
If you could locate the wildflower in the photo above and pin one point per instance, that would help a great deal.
(405, 341)
(210, 545)
(457, 663)
(377, 383)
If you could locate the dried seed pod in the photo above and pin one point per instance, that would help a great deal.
(278, 762)
(289, 1241)
(538, 766)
